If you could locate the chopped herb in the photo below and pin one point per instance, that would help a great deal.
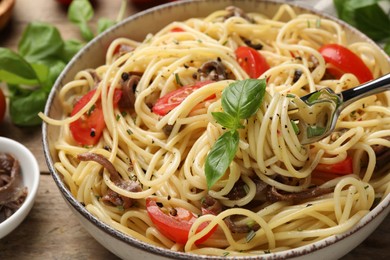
(120, 207)
(250, 236)
(129, 132)
(318, 23)
(89, 112)
(290, 95)
(124, 113)
(251, 223)
(246, 188)
(225, 253)
(118, 117)
(295, 126)
(177, 78)
(315, 131)
(313, 97)
(267, 251)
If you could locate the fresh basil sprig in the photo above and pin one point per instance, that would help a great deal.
(240, 101)
(31, 72)
(42, 54)
(81, 12)
(367, 16)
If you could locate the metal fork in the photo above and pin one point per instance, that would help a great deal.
(315, 115)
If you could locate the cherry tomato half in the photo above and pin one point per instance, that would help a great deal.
(343, 60)
(175, 227)
(341, 168)
(3, 105)
(88, 129)
(251, 61)
(174, 98)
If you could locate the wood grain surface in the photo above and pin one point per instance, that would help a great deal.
(51, 231)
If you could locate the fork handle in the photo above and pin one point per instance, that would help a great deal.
(367, 89)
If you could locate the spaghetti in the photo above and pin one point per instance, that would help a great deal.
(162, 154)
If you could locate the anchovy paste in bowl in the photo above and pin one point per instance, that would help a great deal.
(12, 191)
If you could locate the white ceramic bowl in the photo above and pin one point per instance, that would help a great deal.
(134, 27)
(29, 170)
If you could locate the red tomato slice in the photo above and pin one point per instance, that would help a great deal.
(174, 98)
(175, 227)
(251, 61)
(345, 61)
(88, 129)
(177, 29)
(340, 168)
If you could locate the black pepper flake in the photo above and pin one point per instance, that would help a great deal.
(159, 204)
(125, 76)
(169, 197)
(173, 212)
(92, 133)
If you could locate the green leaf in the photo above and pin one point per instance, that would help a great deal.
(41, 70)
(104, 24)
(40, 41)
(86, 31)
(80, 11)
(71, 47)
(373, 21)
(220, 156)
(226, 120)
(24, 108)
(365, 15)
(14, 69)
(315, 131)
(54, 67)
(242, 99)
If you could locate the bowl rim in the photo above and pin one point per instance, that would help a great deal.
(22, 151)
(159, 251)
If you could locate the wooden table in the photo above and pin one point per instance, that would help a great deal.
(51, 231)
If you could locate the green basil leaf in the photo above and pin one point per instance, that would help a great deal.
(220, 156)
(104, 24)
(54, 68)
(25, 106)
(373, 21)
(315, 131)
(41, 70)
(242, 99)
(86, 31)
(226, 120)
(71, 47)
(40, 41)
(365, 15)
(80, 11)
(14, 69)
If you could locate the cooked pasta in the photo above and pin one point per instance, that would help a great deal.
(276, 193)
